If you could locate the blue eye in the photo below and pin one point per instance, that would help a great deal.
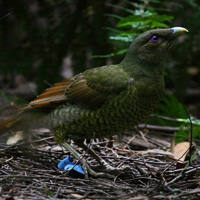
(155, 38)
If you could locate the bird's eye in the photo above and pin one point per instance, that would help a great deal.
(155, 38)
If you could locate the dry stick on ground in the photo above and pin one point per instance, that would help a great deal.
(32, 171)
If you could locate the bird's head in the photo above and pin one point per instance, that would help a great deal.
(152, 46)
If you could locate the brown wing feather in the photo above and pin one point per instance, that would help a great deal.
(74, 91)
(79, 93)
(52, 97)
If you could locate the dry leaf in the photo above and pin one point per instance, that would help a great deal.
(15, 138)
(181, 150)
(78, 196)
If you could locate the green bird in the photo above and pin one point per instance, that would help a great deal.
(103, 101)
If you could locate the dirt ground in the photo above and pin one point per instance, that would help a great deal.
(28, 170)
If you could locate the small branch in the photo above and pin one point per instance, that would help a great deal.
(161, 128)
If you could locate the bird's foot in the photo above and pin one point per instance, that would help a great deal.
(76, 170)
(67, 165)
(89, 171)
(105, 170)
(106, 167)
(112, 170)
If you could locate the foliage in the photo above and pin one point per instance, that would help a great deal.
(183, 134)
(172, 113)
(169, 111)
(140, 18)
(171, 107)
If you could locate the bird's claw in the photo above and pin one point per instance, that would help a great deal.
(89, 171)
(115, 170)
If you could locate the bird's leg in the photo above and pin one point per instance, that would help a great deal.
(101, 161)
(87, 169)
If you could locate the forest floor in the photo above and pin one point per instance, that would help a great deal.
(28, 169)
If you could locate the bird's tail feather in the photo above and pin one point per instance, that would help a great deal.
(10, 123)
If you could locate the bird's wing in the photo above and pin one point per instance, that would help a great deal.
(89, 90)
(52, 97)
(92, 88)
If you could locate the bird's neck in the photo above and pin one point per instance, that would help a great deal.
(138, 68)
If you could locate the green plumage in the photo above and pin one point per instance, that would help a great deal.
(107, 100)
(127, 102)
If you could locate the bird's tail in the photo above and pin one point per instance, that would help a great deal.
(11, 122)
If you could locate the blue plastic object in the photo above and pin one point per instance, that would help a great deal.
(67, 165)
(77, 168)
(64, 162)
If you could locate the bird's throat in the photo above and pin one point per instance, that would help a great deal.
(139, 70)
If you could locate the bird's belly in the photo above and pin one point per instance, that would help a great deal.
(118, 114)
(127, 112)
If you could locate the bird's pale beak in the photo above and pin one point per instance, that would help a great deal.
(178, 31)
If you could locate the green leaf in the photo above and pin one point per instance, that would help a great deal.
(131, 33)
(171, 107)
(196, 131)
(50, 193)
(128, 21)
(151, 18)
(170, 112)
(163, 18)
(194, 121)
(158, 24)
(181, 135)
(121, 38)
